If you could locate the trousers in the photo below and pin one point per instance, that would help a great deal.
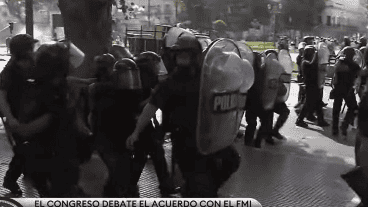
(203, 174)
(346, 94)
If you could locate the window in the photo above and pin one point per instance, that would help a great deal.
(333, 22)
(320, 19)
(328, 23)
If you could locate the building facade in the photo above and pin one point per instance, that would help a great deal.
(341, 17)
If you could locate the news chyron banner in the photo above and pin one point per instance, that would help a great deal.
(126, 202)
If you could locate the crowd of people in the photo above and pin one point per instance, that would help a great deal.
(121, 102)
(120, 113)
(345, 83)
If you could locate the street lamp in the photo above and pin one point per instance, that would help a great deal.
(274, 8)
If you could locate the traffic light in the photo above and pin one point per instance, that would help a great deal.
(11, 27)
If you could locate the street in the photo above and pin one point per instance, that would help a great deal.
(303, 170)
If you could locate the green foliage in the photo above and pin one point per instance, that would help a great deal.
(304, 13)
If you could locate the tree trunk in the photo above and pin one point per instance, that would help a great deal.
(87, 23)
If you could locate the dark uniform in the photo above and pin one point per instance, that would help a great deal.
(179, 96)
(113, 100)
(254, 109)
(310, 73)
(299, 59)
(346, 71)
(153, 144)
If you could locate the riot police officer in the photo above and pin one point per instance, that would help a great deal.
(118, 99)
(149, 66)
(280, 107)
(299, 58)
(308, 40)
(179, 95)
(346, 71)
(310, 72)
(254, 108)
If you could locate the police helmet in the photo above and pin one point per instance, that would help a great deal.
(266, 52)
(349, 51)
(125, 64)
(21, 43)
(187, 42)
(309, 50)
(106, 60)
(147, 57)
(301, 45)
(308, 38)
(219, 25)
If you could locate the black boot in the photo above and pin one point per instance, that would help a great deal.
(258, 142)
(270, 141)
(344, 128)
(311, 117)
(301, 123)
(12, 186)
(248, 137)
(279, 123)
(323, 123)
(335, 126)
(321, 119)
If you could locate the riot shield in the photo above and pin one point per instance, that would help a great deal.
(323, 53)
(245, 51)
(323, 60)
(271, 79)
(225, 80)
(358, 57)
(246, 54)
(285, 78)
(120, 52)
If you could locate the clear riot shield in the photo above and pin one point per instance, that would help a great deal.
(246, 54)
(323, 53)
(285, 78)
(358, 57)
(270, 83)
(225, 79)
(323, 60)
(245, 51)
